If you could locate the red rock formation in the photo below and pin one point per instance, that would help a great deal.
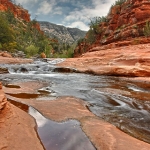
(3, 100)
(5, 54)
(13, 121)
(132, 61)
(18, 11)
(43, 55)
(124, 22)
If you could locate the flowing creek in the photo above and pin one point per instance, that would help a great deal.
(124, 104)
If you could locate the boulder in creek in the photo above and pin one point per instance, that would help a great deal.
(3, 70)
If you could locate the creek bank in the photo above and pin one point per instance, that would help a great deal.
(13, 121)
(129, 61)
(102, 134)
(12, 60)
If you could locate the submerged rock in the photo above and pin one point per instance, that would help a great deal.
(3, 70)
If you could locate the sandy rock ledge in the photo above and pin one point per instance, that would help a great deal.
(17, 128)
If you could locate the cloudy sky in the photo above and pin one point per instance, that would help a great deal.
(70, 13)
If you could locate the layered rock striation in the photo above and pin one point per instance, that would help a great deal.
(125, 24)
(131, 61)
(17, 128)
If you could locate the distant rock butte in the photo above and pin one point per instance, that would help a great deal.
(18, 11)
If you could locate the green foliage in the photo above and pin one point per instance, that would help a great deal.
(6, 33)
(31, 50)
(64, 54)
(1, 46)
(119, 2)
(95, 28)
(10, 17)
(91, 36)
(95, 22)
(22, 35)
(10, 47)
(146, 29)
(80, 41)
(25, 36)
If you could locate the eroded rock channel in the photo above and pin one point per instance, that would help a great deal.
(91, 100)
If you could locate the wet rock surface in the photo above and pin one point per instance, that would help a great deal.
(66, 135)
(128, 61)
(63, 96)
(106, 136)
(17, 128)
(7, 60)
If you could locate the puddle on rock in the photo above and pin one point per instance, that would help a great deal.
(24, 95)
(61, 136)
(12, 86)
(58, 136)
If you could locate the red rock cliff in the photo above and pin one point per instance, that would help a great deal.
(125, 22)
(18, 11)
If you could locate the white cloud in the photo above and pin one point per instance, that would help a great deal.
(79, 24)
(45, 8)
(97, 8)
(25, 2)
(75, 13)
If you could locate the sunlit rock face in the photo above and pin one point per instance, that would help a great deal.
(132, 61)
(16, 125)
(124, 26)
(3, 100)
(18, 11)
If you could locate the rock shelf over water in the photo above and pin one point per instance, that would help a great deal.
(103, 135)
(17, 128)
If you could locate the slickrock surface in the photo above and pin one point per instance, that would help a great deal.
(107, 137)
(3, 100)
(102, 134)
(132, 61)
(17, 128)
(8, 60)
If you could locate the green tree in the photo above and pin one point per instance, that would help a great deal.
(31, 50)
(146, 29)
(6, 33)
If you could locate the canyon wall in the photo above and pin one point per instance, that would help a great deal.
(124, 25)
(18, 11)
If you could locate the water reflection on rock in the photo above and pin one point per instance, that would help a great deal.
(61, 136)
(119, 101)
